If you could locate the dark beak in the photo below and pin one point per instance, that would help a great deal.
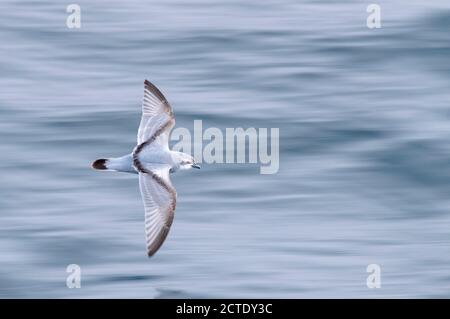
(196, 166)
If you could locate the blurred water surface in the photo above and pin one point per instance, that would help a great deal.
(364, 155)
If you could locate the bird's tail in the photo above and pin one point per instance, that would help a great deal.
(100, 164)
(118, 164)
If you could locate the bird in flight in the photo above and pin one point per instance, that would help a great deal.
(153, 161)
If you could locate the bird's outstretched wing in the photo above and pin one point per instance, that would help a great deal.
(157, 117)
(159, 197)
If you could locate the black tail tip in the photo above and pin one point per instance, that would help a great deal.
(99, 164)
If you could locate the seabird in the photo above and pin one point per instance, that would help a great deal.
(153, 161)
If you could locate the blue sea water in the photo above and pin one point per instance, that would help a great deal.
(364, 155)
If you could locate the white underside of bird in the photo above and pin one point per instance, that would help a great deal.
(153, 161)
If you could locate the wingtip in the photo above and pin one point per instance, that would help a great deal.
(148, 84)
(154, 90)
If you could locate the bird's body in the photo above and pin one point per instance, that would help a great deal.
(153, 161)
(125, 163)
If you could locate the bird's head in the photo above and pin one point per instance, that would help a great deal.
(186, 161)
